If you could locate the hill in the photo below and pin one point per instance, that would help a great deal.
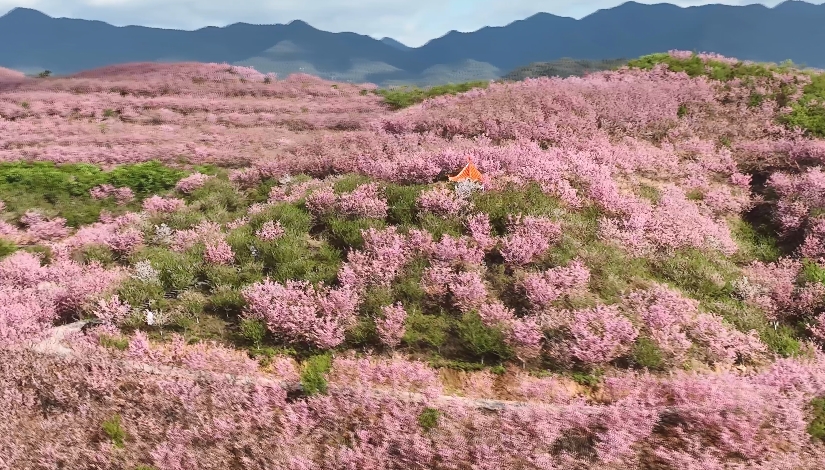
(564, 67)
(203, 266)
(31, 42)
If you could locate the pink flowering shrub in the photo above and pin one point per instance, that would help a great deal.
(39, 228)
(113, 310)
(321, 201)
(218, 252)
(480, 230)
(364, 201)
(542, 288)
(600, 334)
(300, 312)
(270, 230)
(414, 376)
(391, 325)
(122, 195)
(124, 242)
(382, 259)
(529, 238)
(468, 290)
(159, 205)
(441, 201)
(192, 182)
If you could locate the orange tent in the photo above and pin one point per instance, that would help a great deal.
(469, 172)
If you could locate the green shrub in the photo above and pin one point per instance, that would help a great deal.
(647, 354)
(114, 431)
(346, 233)
(313, 374)
(811, 272)
(113, 342)
(397, 98)
(218, 194)
(781, 340)
(809, 112)
(481, 340)
(816, 428)
(7, 247)
(141, 294)
(176, 271)
(253, 330)
(226, 300)
(428, 419)
(94, 253)
(429, 330)
(349, 182)
(439, 226)
(292, 257)
(147, 178)
(291, 216)
(401, 200)
(363, 333)
(511, 201)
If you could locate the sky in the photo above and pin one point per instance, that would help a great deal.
(413, 22)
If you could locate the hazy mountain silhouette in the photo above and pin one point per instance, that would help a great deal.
(396, 44)
(31, 41)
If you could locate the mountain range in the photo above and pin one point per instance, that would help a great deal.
(31, 41)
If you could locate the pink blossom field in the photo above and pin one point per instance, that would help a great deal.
(204, 267)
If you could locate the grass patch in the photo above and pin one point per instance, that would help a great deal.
(114, 431)
(402, 97)
(313, 374)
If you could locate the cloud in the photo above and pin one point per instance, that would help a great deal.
(411, 22)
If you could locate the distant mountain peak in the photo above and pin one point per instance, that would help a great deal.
(396, 44)
(25, 13)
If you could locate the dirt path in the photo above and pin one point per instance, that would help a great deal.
(53, 345)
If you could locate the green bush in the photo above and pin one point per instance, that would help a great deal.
(345, 233)
(226, 300)
(147, 178)
(429, 330)
(176, 271)
(781, 340)
(511, 201)
(113, 342)
(64, 189)
(349, 182)
(114, 431)
(647, 354)
(292, 257)
(7, 247)
(253, 330)
(439, 226)
(428, 419)
(401, 200)
(816, 428)
(481, 340)
(313, 374)
(291, 216)
(403, 97)
(217, 194)
(806, 113)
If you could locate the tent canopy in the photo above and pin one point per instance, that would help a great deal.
(469, 172)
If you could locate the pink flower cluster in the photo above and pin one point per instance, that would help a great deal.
(441, 201)
(122, 195)
(270, 230)
(192, 182)
(300, 312)
(529, 238)
(160, 205)
(218, 252)
(364, 201)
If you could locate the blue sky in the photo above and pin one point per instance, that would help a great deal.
(412, 22)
